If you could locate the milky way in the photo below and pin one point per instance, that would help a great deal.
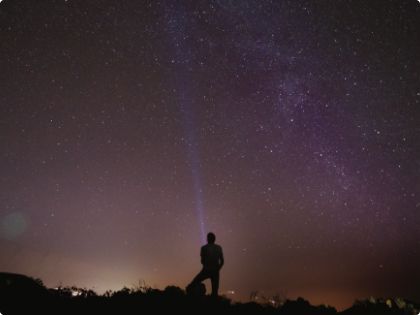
(129, 129)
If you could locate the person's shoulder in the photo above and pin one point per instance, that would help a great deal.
(218, 246)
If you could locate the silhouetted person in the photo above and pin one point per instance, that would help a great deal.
(212, 261)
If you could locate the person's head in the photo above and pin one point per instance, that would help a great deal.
(211, 238)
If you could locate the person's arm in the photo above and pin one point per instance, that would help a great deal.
(202, 255)
(221, 259)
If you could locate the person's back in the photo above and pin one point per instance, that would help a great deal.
(212, 260)
(211, 256)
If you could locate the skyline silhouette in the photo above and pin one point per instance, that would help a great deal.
(20, 292)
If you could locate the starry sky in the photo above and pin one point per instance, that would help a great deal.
(129, 129)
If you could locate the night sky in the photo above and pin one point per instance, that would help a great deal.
(290, 128)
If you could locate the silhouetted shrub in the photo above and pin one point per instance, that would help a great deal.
(23, 295)
(373, 306)
(303, 307)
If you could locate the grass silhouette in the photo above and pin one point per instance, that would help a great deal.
(20, 294)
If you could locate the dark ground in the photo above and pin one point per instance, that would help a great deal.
(23, 295)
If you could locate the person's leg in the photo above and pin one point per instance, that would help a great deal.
(214, 283)
(200, 277)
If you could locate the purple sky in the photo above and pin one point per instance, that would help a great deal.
(129, 129)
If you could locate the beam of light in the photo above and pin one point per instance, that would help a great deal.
(175, 29)
(194, 161)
